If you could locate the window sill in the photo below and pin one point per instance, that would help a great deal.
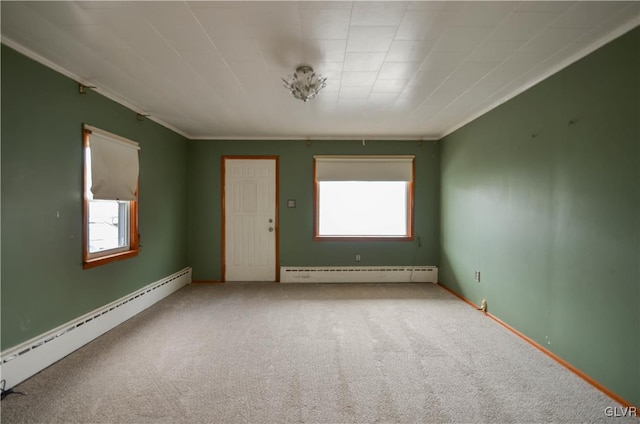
(363, 238)
(103, 260)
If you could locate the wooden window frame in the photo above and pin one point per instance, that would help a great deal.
(410, 214)
(93, 260)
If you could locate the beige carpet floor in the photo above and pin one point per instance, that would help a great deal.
(276, 353)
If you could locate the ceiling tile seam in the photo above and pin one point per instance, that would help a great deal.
(230, 69)
(459, 65)
(272, 84)
(167, 80)
(522, 46)
(589, 29)
(397, 27)
(133, 77)
(118, 97)
(215, 47)
(404, 14)
(177, 52)
(511, 94)
(60, 32)
(595, 45)
(204, 83)
(344, 55)
(300, 44)
(224, 61)
(106, 93)
(195, 17)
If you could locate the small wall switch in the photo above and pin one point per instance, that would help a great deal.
(477, 276)
(358, 257)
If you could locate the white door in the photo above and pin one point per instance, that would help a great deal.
(250, 219)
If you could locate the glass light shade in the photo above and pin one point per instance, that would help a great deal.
(305, 83)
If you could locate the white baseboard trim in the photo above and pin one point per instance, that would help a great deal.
(25, 360)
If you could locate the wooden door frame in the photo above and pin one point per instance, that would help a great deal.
(277, 211)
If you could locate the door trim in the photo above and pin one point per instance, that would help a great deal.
(223, 160)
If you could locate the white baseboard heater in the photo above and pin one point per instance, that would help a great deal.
(25, 360)
(359, 274)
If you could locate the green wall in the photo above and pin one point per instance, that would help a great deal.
(542, 195)
(43, 283)
(297, 247)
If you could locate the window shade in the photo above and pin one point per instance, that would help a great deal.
(114, 166)
(364, 168)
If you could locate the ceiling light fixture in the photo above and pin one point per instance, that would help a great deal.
(305, 84)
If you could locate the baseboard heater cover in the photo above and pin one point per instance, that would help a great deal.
(25, 360)
(359, 274)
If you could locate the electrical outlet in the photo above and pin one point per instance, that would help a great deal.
(477, 276)
(358, 257)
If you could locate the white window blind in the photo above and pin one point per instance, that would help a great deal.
(364, 168)
(114, 166)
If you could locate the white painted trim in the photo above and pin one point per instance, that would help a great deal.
(618, 32)
(359, 274)
(318, 138)
(106, 93)
(26, 359)
(634, 21)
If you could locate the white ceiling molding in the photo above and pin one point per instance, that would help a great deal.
(321, 138)
(49, 64)
(607, 38)
(395, 70)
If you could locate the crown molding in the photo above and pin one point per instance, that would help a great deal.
(319, 138)
(106, 93)
(598, 43)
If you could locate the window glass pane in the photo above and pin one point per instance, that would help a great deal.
(108, 225)
(362, 208)
(111, 225)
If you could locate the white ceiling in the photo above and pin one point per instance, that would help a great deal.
(395, 70)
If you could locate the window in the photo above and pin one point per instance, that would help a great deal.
(363, 197)
(110, 197)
